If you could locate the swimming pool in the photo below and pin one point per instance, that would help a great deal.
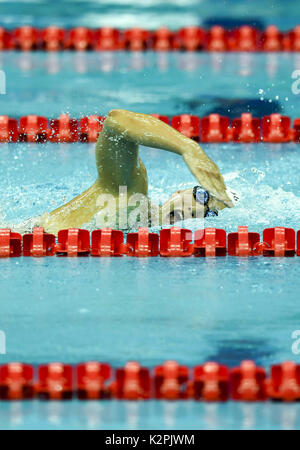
(117, 310)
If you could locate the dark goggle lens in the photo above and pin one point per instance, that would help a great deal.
(201, 195)
(211, 213)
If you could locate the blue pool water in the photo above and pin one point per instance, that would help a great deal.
(149, 310)
(149, 13)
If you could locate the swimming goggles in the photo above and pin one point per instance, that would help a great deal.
(202, 196)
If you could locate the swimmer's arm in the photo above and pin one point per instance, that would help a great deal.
(146, 130)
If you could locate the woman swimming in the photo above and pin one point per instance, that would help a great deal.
(119, 165)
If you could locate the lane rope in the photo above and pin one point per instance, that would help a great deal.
(171, 242)
(275, 128)
(170, 381)
(191, 38)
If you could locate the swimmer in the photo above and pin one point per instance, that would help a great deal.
(118, 164)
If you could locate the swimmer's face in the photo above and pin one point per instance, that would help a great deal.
(189, 203)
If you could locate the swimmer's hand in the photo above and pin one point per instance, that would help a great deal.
(207, 173)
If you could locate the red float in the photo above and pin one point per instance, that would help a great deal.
(92, 380)
(210, 242)
(284, 382)
(217, 39)
(26, 38)
(142, 243)
(244, 39)
(248, 382)
(170, 381)
(90, 127)
(210, 382)
(6, 42)
(291, 40)
(296, 130)
(132, 382)
(246, 129)
(136, 39)
(55, 382)
(271, 39)
(73, 242)
(33, 128)
(188, 125)
(162, 40)
(277, 128)
(175, 241)
(10, 243)
(64, 129)
(242, 243)
(215, 128)
(190, 38)
(38, 243)
(107, 242)
(8, 129)
(107, 39)
(279, 241)
(53, 38)
(80, 39)
(16, 381)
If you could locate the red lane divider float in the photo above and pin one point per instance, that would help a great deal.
(279, 242)
(284, 382)
(171, 242)
(64, 129)
(107, 242)
(209, 382)
(272, 39)
(187, 125)
(163, 39)
(38, 243)
(246, 129)
(170, 380)
(80, 38)
(92, 380)
(33, 128)
(248, 382)
(90, 127)
(55, 382)
(8, 129)
(107, 39)
(191, 38)
(175, 241)
(73, 242)
(210, 242)
(291, 40)
(214, 128)
(242, 243)
(10, 243)
(53, 38)
(276, 128)
(217, 39)
(142, 243)
(244, 39)
(16, 381)
(132, 382)
(25, 38)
